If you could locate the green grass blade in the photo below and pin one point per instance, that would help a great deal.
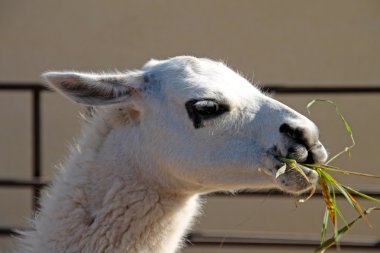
(335, 207)
(285, 160)
(327, 176)
(341, 215)
(294, 165)
(361, 194)
(330, 242)
(347, 126)
(346, 172)
(324, 225)
(345, 194)
(353, 202)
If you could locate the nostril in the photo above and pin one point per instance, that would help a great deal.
(310, 158)
(299, 134)
(296, 133)
(285, 128)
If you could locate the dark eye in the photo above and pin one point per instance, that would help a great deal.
(204, 109)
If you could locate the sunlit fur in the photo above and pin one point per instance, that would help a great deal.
(132, 182)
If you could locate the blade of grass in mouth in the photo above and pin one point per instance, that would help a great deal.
(329, 185)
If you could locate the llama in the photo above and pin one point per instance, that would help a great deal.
(157, 139)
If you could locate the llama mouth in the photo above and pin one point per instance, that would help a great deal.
(294, 182)
(289, 179)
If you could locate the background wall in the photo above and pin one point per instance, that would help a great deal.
(298, 42)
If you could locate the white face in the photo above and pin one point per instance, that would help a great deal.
(205, 127)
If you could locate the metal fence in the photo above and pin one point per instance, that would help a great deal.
(36, 183)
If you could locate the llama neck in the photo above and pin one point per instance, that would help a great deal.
(140, 220)
(126, 217)
(97, 205)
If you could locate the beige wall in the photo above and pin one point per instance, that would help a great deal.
(293, 42)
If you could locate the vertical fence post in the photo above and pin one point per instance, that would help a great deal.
(36, 144)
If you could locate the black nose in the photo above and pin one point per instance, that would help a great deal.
(304, 136)
(299, 134)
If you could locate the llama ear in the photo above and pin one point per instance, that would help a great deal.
(95, 89)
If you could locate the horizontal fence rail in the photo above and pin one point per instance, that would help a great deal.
(320, 89)
(202, 239)
(19, 183)
(36, 183)
(264, 240)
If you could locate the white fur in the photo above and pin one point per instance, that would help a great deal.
(132, 183)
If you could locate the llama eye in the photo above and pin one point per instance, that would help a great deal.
(201, 110)
(206, 107)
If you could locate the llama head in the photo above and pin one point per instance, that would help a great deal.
(201, 126)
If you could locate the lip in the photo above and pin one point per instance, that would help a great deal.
(293, 181)
(311, 174)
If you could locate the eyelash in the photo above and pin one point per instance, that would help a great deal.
(204, 109)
